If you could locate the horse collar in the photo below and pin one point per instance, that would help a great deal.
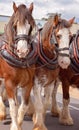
(74, 53)
(15, 61)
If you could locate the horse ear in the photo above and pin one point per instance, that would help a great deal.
(56, 19)
(71, 21)
(14, 7)
(31, 7)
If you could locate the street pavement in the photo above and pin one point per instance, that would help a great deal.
(52, 123)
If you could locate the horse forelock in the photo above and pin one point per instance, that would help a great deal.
(24, 14)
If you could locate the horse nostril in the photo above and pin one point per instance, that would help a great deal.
(17, 50)
(27, 51)
(62, 62)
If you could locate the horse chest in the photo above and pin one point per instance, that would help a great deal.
(69, 77)
(75, 80)
(46, 76)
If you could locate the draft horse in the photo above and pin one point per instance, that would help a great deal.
(17, 54)
(69, 77)
(47, 67)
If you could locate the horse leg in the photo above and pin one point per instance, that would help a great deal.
(25, 95)
(38, 116)
(55, 110)
(30, 109)
(65, 117)
(11, 91)
(48, 96)
(22, 107)
(4, 95)
(2, 106)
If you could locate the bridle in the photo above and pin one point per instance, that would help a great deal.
(12, 58)
(21, 37)
(17, 38)
(57, 49)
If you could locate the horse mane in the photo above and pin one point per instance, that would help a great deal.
(9, 30)
(46, 31)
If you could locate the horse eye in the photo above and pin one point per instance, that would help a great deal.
(59, 36)
(15, 28)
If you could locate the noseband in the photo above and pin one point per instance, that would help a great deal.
(18, 38)
(22, 37)
(59, 51)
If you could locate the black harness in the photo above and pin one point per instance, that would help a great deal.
(74, 53)
(12, 59)
(44, 60)
(36, 54)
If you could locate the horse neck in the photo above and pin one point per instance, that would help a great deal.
(48, 49)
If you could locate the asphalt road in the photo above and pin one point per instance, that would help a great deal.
(52, 123)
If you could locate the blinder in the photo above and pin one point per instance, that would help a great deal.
(53, 39)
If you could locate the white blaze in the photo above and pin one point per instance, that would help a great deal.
(64, 61)
(22, 45)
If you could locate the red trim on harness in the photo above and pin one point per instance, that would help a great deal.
(5, 46)
(41, 57)
(75, 54)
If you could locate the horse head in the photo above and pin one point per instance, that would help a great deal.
(62, 32)
(19, 29)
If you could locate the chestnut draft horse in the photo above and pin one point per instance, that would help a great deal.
(47, 69)
(16, 55)
(69, 77)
